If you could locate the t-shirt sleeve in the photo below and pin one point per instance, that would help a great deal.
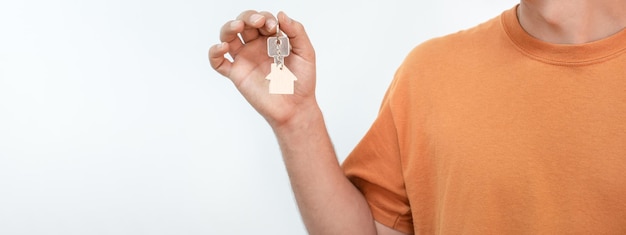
(375, 168)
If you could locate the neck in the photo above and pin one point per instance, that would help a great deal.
(572, 21)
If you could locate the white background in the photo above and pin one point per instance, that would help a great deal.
(113, 122)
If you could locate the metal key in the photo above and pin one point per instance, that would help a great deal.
(278, 47)
(280, 77)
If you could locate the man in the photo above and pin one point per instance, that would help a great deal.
(516, 126)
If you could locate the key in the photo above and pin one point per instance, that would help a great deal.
(281, 78)
(278, 47)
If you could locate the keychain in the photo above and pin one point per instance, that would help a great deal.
(281, 78)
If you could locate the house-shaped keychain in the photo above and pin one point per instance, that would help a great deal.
(281, 80)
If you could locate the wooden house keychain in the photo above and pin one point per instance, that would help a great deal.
(281, 79)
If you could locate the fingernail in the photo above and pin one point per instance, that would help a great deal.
(255, 18)
(270, 24)
(234, 24)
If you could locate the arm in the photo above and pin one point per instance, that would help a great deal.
(328, 202)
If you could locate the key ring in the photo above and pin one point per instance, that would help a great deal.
(278, 35)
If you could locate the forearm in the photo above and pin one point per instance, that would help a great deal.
(328, 202)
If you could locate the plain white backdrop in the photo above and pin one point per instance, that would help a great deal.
(113, 122)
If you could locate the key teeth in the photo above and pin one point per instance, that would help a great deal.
(279, 60)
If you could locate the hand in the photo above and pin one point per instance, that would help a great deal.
(251, 64)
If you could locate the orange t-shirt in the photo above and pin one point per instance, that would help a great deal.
(492, 131)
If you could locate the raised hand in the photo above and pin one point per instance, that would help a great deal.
(251, 64)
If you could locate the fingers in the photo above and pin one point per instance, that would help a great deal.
(249, 24)
(270, 24)
(229, 34)
(253, 22)
(217, 60)
(256, 23)
(299, 40)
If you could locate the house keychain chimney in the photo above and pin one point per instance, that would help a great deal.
(281, 78)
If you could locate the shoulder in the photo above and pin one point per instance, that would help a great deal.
(445, 61)
(444, 57)
(454, 45)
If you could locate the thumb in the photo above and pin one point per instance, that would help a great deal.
(299, 40)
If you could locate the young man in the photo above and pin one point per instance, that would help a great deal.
(516, 126)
